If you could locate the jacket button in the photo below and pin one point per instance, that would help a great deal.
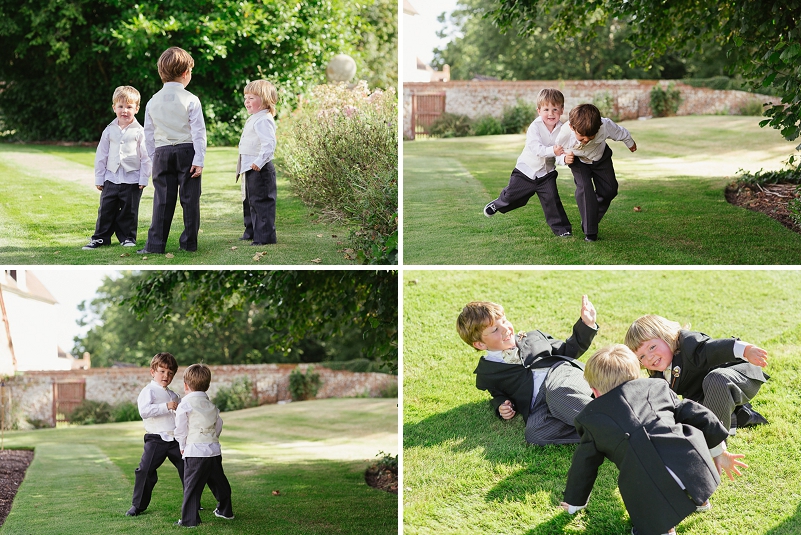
(628, 435)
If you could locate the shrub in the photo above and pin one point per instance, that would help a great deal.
(389, 391)
(303, 385)
(665, 102)
(516, 119)
(605, 102)
(237, 396)
(752, 107)
(340, 152)
(451, 125)
(487, 125)
(91, 412)
(125, 412)
(387, 460)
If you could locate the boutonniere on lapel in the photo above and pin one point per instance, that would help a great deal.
(521, 335)
(676, 371)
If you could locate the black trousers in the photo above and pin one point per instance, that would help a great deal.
(521, 189)
(145, 477)
(118, 212)
(596, 186)
(259, 205)
(199, 472)
(172, 181)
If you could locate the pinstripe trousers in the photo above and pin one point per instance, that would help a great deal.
(563, 395)
(197, 472)
(172, 181)
(727, 388)
(596, 186)
(521, 189)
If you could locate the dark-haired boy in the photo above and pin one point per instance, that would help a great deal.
(157, 405)
(590, 159)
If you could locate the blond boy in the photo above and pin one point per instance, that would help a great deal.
(535, 170)
(122, 170)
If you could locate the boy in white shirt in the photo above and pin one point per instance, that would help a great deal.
(175, 136)
(157, 405)
(535, 172)
(122, 169)
(197, 428)
(256, 149)
(590, 159)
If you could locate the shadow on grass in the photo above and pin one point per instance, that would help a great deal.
(472, 427)
(790, 526)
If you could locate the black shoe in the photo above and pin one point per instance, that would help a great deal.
(748, 417)
(259, 244)
(133, 511)
(490, 210)
(179, 523)
(220, 515)
(591, 237)
(145, 251)
(93, 244)
(245, 238)
(567, 234)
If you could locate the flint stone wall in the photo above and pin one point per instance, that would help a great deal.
(32, 392)
(631, 98)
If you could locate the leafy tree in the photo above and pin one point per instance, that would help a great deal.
(762, 40)
(480, 47)
(69, 56)
(118, 335)
(319, 304)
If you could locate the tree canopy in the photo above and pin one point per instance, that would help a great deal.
(69, 56)
(297, 305)
(479, 47)
(762, 40)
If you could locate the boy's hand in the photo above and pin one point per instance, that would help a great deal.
(588, 313)
(727, 462)
(196, 170)
(558, 150)
(568, 158)
(253, 166)
(99, 188)
(756, 356)
(172, 405)
(633, 147)
(506, 410)
(141, 187)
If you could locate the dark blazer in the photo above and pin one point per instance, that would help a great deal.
(538, 350)
(642, 426)
(696, 355)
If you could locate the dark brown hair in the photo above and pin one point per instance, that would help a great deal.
(585, 119)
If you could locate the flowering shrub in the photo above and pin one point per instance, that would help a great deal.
(340, 152)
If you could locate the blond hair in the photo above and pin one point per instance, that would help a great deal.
(173, 63)
(649, 327)
(585, 119)
(266, 92)
(474, 318)
(550, 96)
(610, 367)
(197, 377)
(165, 360)
(126, 95)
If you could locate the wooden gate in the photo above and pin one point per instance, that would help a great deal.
(67, 396)
(426, 109)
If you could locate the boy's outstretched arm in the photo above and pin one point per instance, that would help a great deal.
(588, 313)
(727, 462)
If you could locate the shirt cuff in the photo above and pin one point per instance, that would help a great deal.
(739, 349)
(717, 450)
(572, 509)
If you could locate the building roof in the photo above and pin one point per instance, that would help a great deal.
(34, 288)
(408, 9)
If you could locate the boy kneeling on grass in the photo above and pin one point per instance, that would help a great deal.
(669, 452)
(197, 429)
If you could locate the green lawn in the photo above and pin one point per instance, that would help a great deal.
(466, 471)
(313, 452)
(677, 177)
(46, 220)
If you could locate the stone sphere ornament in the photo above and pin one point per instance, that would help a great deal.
(341, 68)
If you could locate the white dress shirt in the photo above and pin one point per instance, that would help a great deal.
(263, 125)
(197, 128)
(121, 176)
(592, 150)
(158, 419)
(537, 158)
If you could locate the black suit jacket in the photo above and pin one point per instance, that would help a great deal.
(538, 350)
(697, 354)
(642, 427)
